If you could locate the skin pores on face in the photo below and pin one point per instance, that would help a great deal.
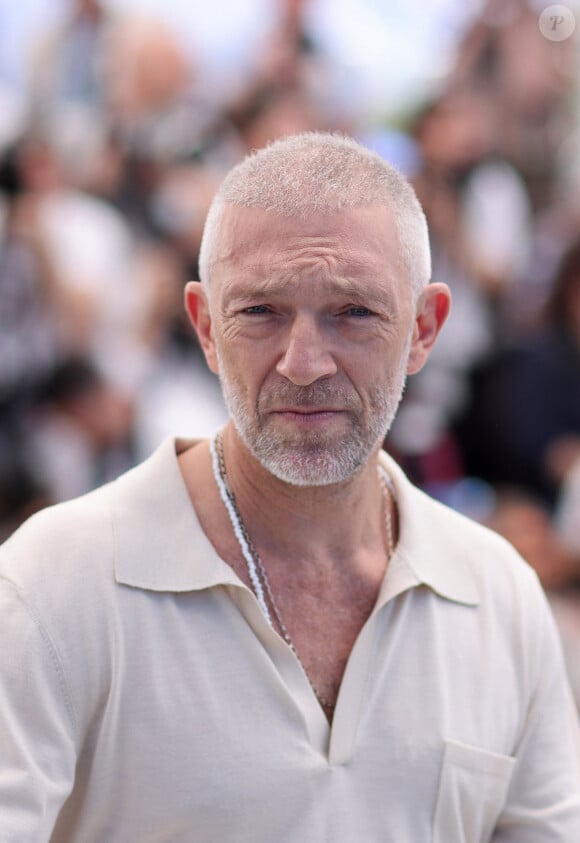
(312, 323)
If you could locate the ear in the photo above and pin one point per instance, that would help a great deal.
(197, 307)
(431, 312)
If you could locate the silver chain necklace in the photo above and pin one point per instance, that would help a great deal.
(255, 566)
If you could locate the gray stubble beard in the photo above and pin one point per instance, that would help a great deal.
(313, 458)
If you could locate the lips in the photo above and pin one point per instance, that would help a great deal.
(304, 418)
(307, 411)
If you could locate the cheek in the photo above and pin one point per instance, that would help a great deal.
(381, 360)
(244, 371)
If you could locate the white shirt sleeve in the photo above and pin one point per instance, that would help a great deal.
(543, 802)
(37, 744)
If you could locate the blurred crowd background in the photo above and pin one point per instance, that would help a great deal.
(117, 122)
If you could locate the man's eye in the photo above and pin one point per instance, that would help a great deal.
(358, 311)
(256, 309)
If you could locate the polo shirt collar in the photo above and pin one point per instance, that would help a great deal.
(160, 545)
(434, 545)
(159, 542)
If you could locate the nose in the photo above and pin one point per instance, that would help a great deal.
(307, 357)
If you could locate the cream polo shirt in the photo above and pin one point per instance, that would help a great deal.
(144, 698)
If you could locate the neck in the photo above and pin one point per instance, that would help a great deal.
(330, 525)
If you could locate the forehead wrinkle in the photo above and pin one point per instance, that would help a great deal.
(328, 261)
(322, 264)
(279, 286)
(341, 257)
(355, 277)
(253, 263)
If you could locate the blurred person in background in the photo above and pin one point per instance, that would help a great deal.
(21, 491)
(160, 118)
(80, 431)
(480, 223)
(86, 241)
(67, 62)
(146, 72)
(556, 228)
(30, 290)
(523, 425)
(530, 79)
(174, 392)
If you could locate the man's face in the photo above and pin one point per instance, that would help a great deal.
(312, 322)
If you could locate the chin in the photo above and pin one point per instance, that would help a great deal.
(312, 467)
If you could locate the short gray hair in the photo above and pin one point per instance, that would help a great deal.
(316, 172)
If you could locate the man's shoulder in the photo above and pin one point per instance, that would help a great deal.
(447, 544)
(472, 539)
(60, 539)
(80, 543)
(68, 539)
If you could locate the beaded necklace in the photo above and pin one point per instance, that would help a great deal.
(255, 566)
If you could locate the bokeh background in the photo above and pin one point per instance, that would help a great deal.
(118, 119)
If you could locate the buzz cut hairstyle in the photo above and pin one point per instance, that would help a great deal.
(321, 173)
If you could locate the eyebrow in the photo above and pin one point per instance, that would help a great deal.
(276, 288)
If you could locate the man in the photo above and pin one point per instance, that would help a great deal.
(273, 636)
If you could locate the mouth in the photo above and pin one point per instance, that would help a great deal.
(308, 415)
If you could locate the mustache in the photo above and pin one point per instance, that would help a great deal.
(313, 395)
